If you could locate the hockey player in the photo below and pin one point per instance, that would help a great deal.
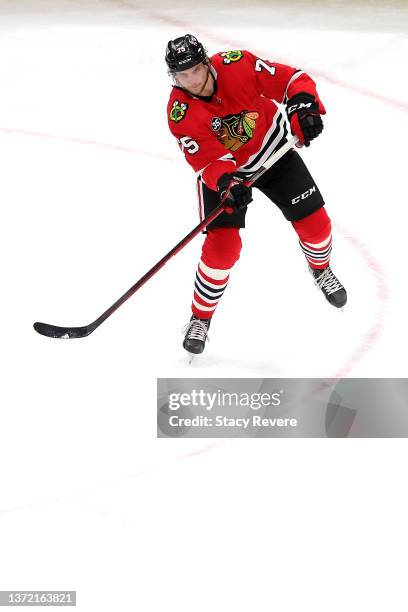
(223, 113)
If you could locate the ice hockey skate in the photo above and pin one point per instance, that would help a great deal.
(331, 287)
(196, 333)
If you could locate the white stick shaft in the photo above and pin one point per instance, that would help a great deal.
(281, 152)
(273, 159)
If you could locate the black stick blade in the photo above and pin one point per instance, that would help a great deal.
(53, 331)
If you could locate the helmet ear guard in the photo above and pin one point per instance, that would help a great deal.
(183, 53)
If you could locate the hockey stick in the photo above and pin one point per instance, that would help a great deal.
(55, 331)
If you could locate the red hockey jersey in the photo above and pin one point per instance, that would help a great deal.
(242, 125)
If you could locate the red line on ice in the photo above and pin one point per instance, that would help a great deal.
(374, 331)
(83, 141)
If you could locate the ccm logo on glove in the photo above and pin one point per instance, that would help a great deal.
(296, 107)
(304, 112)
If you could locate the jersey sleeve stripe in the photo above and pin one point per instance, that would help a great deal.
(295, 76)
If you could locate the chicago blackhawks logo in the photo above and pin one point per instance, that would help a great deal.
(178, 111)
(231, 56)
(236, 130)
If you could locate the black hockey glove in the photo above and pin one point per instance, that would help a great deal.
(304, 116)
(239, 195)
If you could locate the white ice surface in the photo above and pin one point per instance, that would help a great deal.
(93, 192)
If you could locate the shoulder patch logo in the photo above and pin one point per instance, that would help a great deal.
(231, 56)
(216, 124)
(178, 111)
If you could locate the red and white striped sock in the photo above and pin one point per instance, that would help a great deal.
(315, 238)
(210, 284)
(221, 250)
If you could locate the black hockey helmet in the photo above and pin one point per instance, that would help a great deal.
(184, 52)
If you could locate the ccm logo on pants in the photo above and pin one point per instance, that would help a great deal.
(304, 195)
